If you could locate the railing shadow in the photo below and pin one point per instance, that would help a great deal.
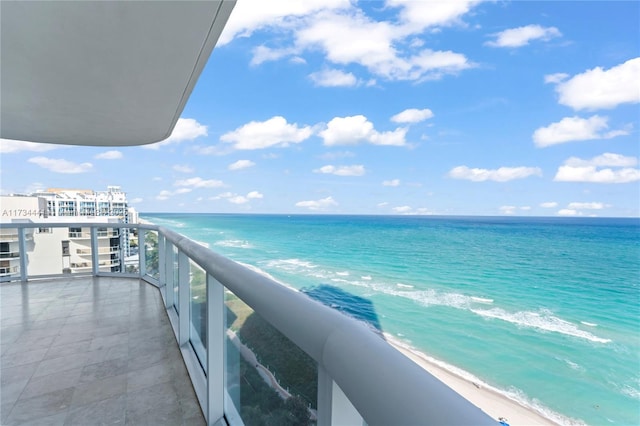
(347, 303)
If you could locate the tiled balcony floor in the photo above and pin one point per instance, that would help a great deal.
(89, 351)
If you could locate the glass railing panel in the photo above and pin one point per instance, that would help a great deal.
(129, 250)
(9, 254)
(269, 380)
(198, 312)
(151, 253)
(54, 251)
(109, 248)
(176, 280)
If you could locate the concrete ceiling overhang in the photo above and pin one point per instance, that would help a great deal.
(110, 73)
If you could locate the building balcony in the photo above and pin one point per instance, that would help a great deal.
(101, 251)
(9, 254)
(183, 335)
(82, 235)
(7, 271)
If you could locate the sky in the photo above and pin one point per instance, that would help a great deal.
(396, 107)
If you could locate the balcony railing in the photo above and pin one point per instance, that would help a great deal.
(8, 271)
(101, 251)
(9, 254)
(257, 350)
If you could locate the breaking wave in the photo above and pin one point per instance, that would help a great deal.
(234, 243)
(542, 320)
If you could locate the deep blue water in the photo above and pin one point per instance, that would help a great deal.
(546, 310)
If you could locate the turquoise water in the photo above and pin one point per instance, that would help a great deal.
(546, 310)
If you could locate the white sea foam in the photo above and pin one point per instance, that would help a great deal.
(202, 243)
(589, 324)
(630, 391)
(481, 299)
(234, 244)
(292, 265)
(542, 320)
(265, 274)
(404, 285)
(571, 364)
(343, 273)
(366, 277)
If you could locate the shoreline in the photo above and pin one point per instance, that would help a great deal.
(493, 403)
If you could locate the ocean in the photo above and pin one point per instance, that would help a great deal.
(544, 310)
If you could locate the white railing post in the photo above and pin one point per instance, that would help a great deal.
(95, 256)
(184, 297)
(334, 408)
(22, 246)
(215, 350)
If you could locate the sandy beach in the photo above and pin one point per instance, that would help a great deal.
(489, 401)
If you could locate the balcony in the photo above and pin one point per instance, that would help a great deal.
(9, 254)
(8, 271)
(87, 350)
(253, 351)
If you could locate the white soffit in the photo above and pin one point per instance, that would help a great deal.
(110, 73)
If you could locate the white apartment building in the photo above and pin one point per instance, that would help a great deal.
(84, 202)
(55, 250)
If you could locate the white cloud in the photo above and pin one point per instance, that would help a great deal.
(503, 174)
(402, 209)
(321, 204)
(412, 115)
(555, 78)
(333, 78)
(604, 160)
(385, 48)
(383, 204)
(109, 155)
(249, 16)
(164, 195)
(392, 182)
(8, 146)
(575, 129)
(602, 89)
(183, 168)
(578, 170)
(521, 36)
(198, 182)
(186, 129)
(241, 164)
(568, 212)
(593, 175)
(59, 165)
(549, 204)
(355, 129)
(355, 170)
(508, 209)
(274, 132)
(238, 199)
(587, 206)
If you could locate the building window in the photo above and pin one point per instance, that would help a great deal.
(65, 248)
(45, 230)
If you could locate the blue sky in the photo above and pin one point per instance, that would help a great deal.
(419, 107)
